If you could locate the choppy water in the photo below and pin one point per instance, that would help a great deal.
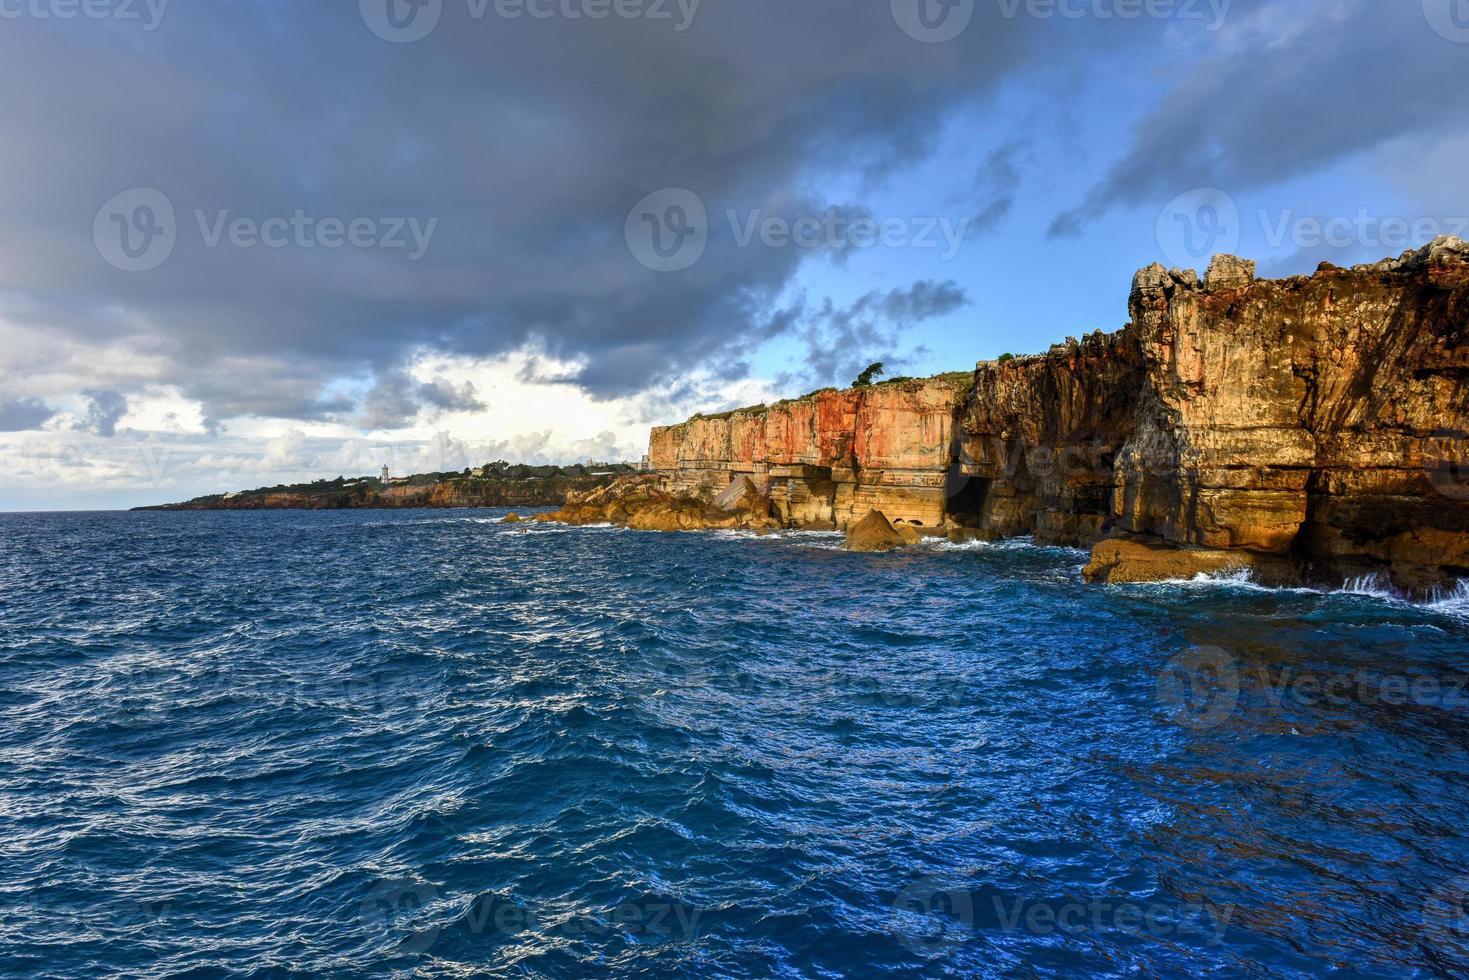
(427, 743)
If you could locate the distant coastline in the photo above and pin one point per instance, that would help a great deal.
(495, 485)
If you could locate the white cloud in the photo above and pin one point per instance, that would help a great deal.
(163, 450)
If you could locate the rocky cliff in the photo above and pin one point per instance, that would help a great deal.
(1315, 424)
(829, 458)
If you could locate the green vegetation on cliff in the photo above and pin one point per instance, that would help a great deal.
(499, 484)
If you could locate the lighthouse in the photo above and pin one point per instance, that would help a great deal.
(385, 474)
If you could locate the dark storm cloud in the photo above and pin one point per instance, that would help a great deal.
(995, 185)
(841, 340)
(444, 394)
(527, 141)
(1361, 75)
(523, 144)
(395, 399)
(104, 408)
(23, 414)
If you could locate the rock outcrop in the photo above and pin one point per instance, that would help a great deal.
(1120, 561)
(1307, 417)
(874, 533)
(642, 504)
(828, 458)
(1312, 427)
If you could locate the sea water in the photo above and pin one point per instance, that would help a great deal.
(430, 743)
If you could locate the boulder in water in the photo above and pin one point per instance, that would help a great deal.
(742, 495)
(1121, 561)
(873, 533)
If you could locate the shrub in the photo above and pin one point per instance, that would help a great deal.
(864, 380)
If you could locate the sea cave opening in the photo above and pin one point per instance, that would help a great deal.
(966, 498)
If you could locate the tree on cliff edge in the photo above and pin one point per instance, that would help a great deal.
(864, 380)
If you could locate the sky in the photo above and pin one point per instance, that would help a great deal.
(252, 242)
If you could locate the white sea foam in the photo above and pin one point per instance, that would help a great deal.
(1375, 586)
(1451, 602)
(1006, 544)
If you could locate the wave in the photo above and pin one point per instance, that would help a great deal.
(1453, 601)
(1022, 544)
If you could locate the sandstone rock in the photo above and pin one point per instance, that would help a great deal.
(1154, 277)
(873, 533)
(1118, 562)
(910, 534)
(639, 503)
(740, 495)
(1307, 418)
(1445, 250)
(830, 457)
(512, 518)
(1229, 272)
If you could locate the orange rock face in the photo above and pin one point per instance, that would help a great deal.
(829, 457)
(1313, 417)
(1320, 421)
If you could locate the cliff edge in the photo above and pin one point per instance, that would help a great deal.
(1313, 428)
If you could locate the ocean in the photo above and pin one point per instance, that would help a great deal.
(428, 743)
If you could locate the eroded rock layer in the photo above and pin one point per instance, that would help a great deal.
(1319, 422)
(830, 458)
